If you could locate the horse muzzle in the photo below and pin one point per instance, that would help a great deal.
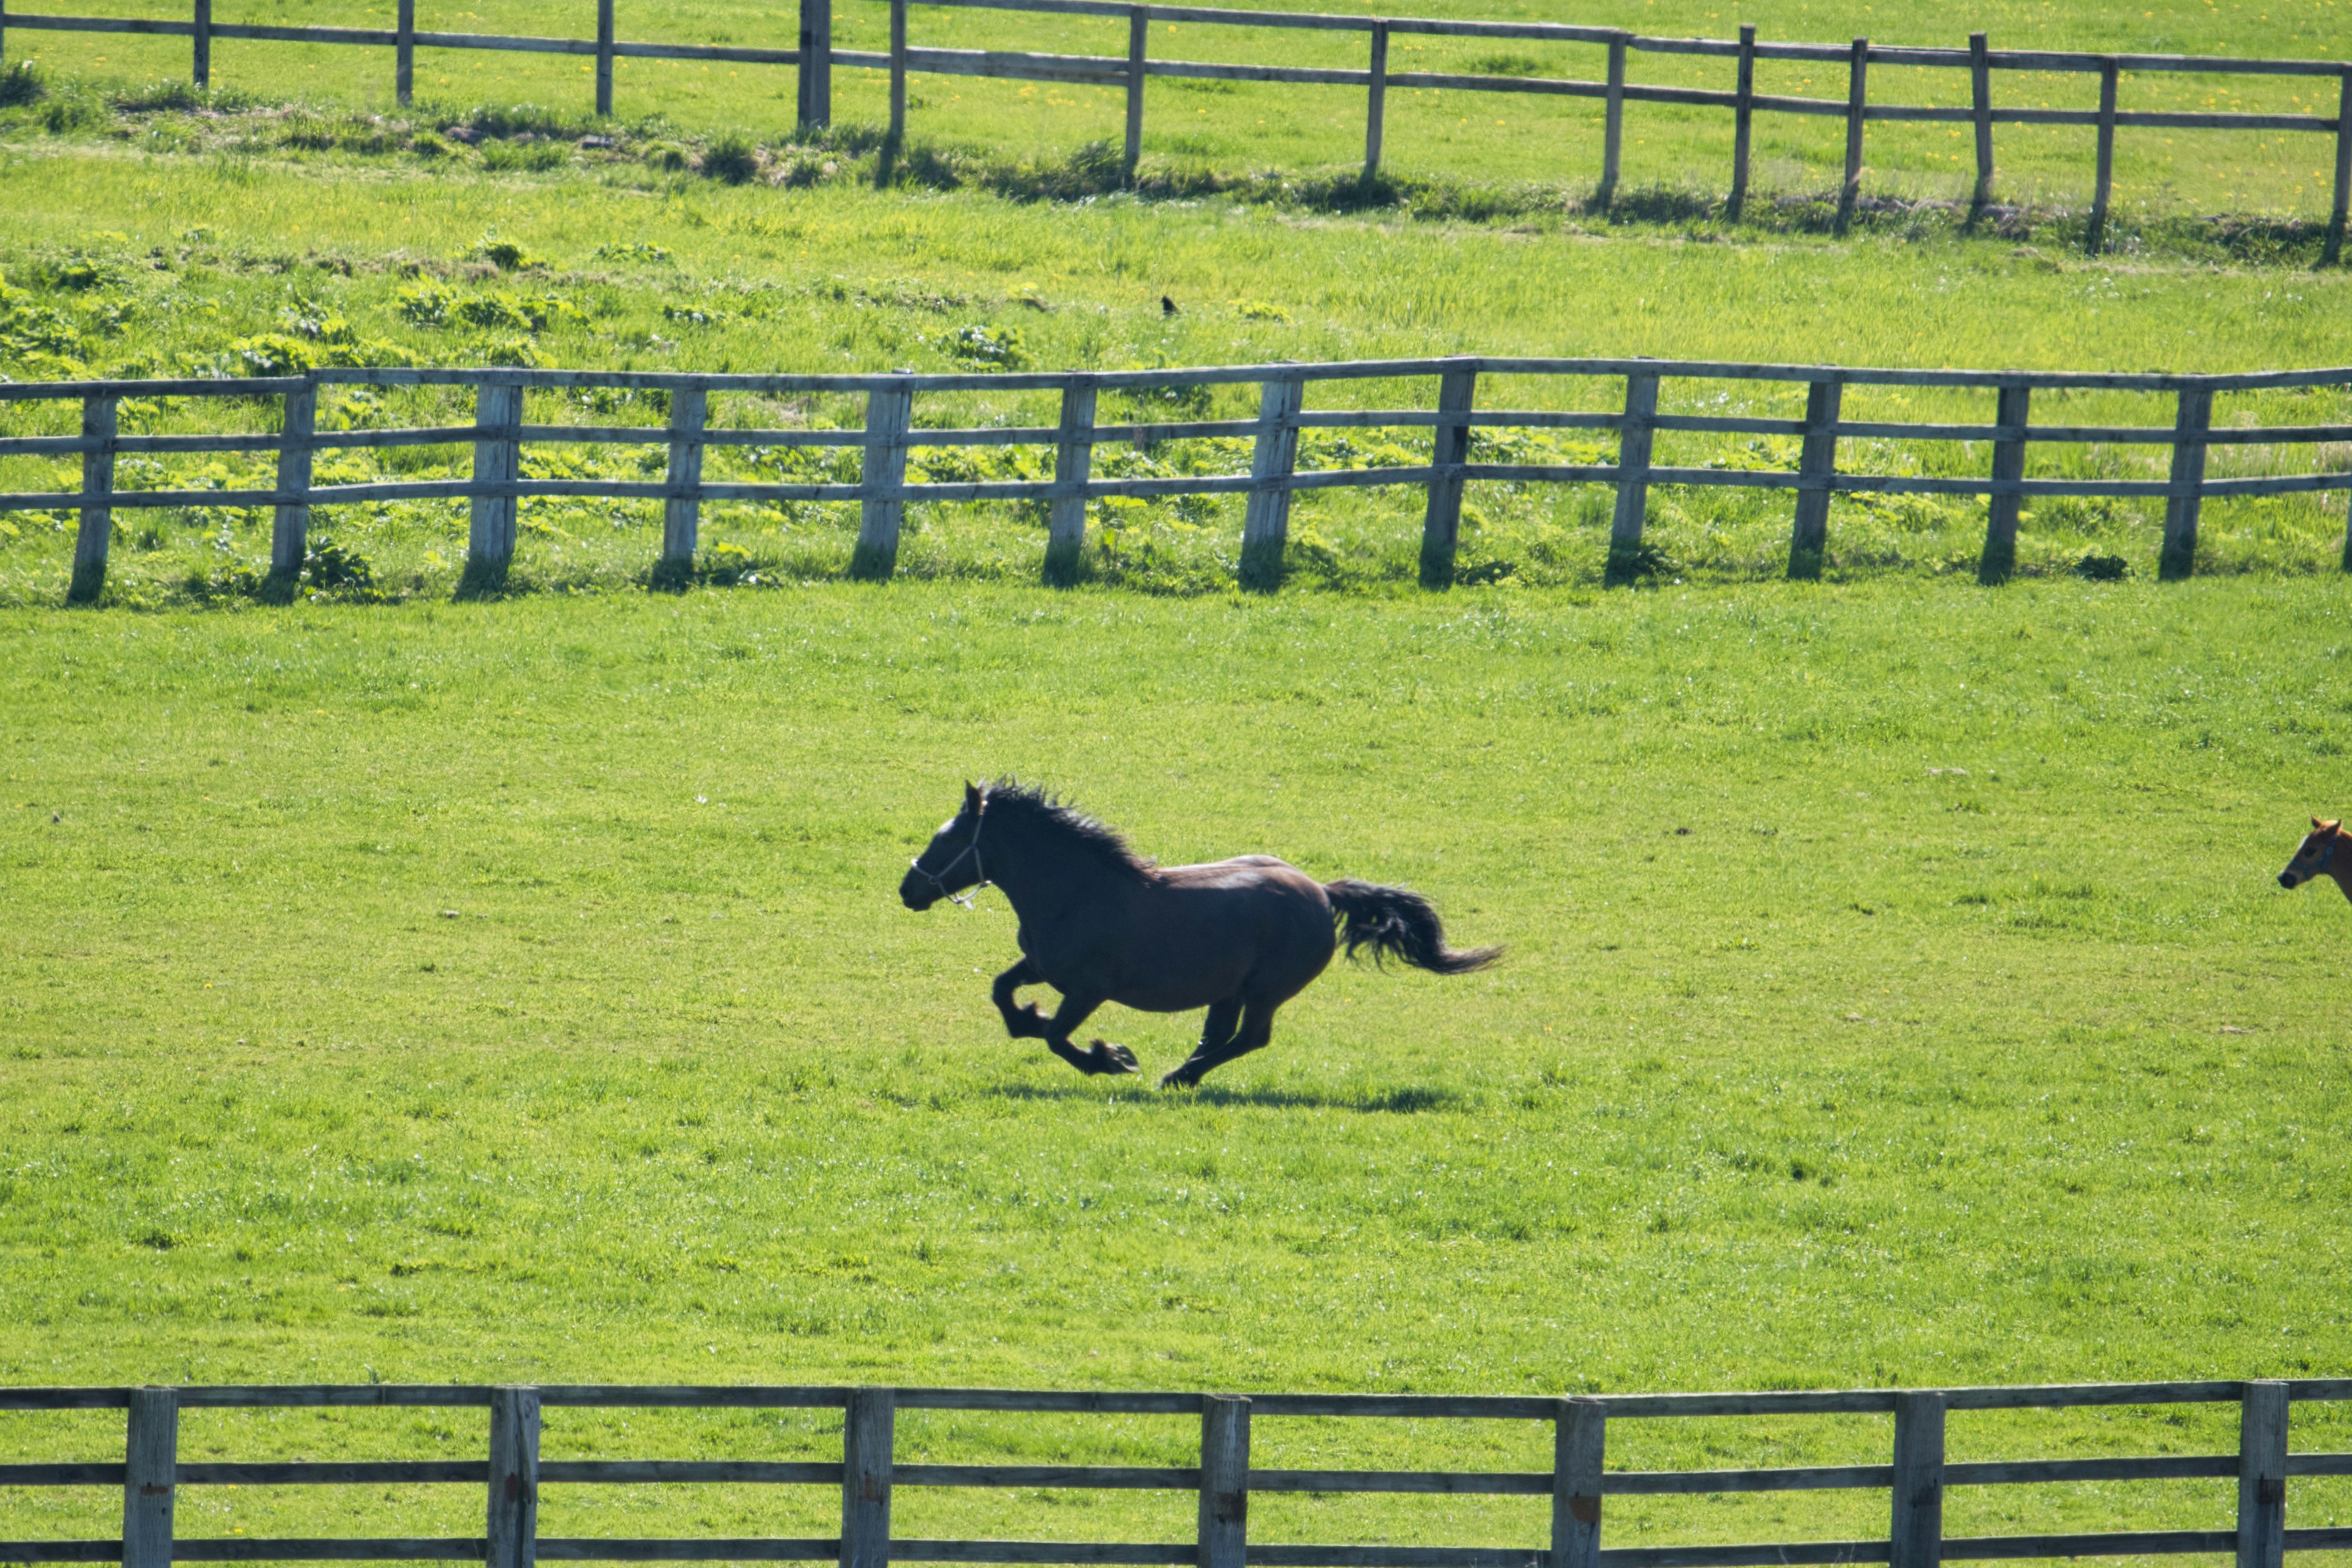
(916, 891)
(2287, 879)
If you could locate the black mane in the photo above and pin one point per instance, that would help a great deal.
(1028, 803)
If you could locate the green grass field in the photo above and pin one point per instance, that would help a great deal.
(1480, 136)
(1898, 991)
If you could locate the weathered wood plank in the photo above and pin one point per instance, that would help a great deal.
(1141, 1554)
(889, 412)
(290, 527)
(897, 75)
(1632, 478)
(2110, 1543)
(815, 93)
(332, 1549)
(1458, 1483)
(1138, 38)
(333, 1472)
(404, 60)
(1580, 1444)
(151, 1458)
(1066, 515)
(60, 1551)
(2262, 1463)
(1915, 1533)
(1817, 464)
(2013, 409)
(1441, 520)
(866, 1442)
(1266, 522)
(1743, 122)
(490, 541)
(689, 409)
(1375, 100)
(2186, 489)
(1980, 112)
(2104, 182)
(200, 35)
(1858, 77)
(757, 1549)
(2333, 250)
(1612, 132)
(99, 422)
(512, 1539)
(605, 59)
(1224, 1538)
(1118, 1478)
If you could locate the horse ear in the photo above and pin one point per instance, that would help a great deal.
(2330, 827)
(972, 796)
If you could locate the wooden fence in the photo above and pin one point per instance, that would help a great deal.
(499, 433)
(815, 56)
(1577, 1482)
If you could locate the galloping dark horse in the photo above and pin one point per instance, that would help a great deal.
(1100, 924)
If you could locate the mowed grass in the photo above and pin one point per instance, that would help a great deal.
(147, 262)
(1897, 992)
(1461, 136)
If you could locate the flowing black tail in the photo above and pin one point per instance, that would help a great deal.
(1401, 921)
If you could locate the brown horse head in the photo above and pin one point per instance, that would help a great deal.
(951, 861)
(2317, 856)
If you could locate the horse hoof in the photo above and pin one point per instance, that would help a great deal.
(1113, 1058)
(1174, 1080)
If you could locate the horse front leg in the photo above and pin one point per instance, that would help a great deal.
(1024, 1022)
(1102, 1058)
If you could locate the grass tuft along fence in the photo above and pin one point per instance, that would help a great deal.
(815, 56)
(513, 1473)
(501, 431)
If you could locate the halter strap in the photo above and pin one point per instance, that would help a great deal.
(938, 878)
(2329, 853)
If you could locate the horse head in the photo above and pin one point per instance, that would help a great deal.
(2315, 856)
(950, 862)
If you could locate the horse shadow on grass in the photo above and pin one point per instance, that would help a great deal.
(1410, 1100)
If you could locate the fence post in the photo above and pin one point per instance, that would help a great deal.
(404, 53)
(1579, 1434)
(1375, 100)
(1917, 1538)
(1265, 525)
(1857, 76)
(605, 59)
(1633, 479)
(689, 411)
(150, 1477)
(2187, 489)
(514, 1477)
(1981, 106)
(1139, 38)
(2013, 409)
(2106, 174)
(291, 536)
(1225, 1480)
(1441, 526)
(1074, 457)
(816, 63)
(865, 1442)
(897, 74)
(889, 410)
(2262, 1475)
(490, 545)
(1743, 122)
(2333, 250)
(1816, 463)
(1612, 129)
(200, 40)
(97, 427)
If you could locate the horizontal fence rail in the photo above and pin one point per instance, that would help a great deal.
(513, 1473)
(499, 433)
(815, 58)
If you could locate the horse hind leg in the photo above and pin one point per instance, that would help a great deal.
(1216, 1030)
(1255, 1029)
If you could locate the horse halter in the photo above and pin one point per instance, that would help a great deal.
(939, 878)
